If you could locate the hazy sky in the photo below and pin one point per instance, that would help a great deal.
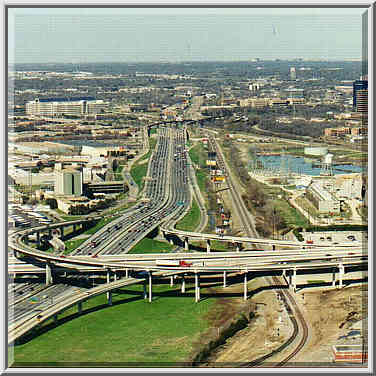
(144, 35)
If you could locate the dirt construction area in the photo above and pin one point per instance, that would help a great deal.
(330, 313)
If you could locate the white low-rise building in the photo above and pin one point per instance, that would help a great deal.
(322, 199)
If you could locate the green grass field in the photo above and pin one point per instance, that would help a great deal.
(290, 214)
(138, 172)
(198, 155)
(99, 225)
(191, 220)
(147, 245)
(71, 245)
(163, 331)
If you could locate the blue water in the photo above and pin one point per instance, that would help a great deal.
(301, 165)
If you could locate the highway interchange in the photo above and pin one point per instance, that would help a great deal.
(166, 198)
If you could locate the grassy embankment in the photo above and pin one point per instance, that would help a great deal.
(134, 332)
(198, 156)
(191, 220)
(140, 168)
(148, 245)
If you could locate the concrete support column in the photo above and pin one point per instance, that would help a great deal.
(290, 278)
(333, 278)
(224, 278)
(186, 244)
(80, 307)
(171, 281)
(26, 239)
(171, 241)
(150, 287)
(108, 281)
(109, 298)
(183, 284)
(245, 286)
(341, 274)
(284, 273)
(115, 276)
(16, 254)
(74, 228)
(62, 232)
(49, 280)
(38, 238)
(294, 280)
(126, 273)
(208, 246)
(273, 247)
(145, 292)
(197, 288)
(238, 247)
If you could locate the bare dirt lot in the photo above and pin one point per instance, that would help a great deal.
(329, 313)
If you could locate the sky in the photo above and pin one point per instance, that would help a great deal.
(85, 35)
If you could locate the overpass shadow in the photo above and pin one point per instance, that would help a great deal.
(346, 283)
(47, 327)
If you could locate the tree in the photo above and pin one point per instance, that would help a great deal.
(51, 202)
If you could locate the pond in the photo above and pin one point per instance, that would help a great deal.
(303, 165)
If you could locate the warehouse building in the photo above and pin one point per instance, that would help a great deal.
(65, 106)
(322, 199)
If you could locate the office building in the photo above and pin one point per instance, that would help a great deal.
(292, 73)
(65, 106)
(68, 181)
(360, 96)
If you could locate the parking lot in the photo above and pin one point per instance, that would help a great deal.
(335, 237)
(22, 216)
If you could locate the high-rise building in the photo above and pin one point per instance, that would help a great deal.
(292, 73)
(360, 96)
(68, 181)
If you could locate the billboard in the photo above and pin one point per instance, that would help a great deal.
(219, 178)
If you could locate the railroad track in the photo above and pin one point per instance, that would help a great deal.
(295, 315)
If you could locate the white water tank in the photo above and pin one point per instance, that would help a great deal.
(317, 151)
(328, 159)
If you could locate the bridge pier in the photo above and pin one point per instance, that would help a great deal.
(294, 280)
(126, 273)
(150, 287)
(109, 300)
(341, 274)
(38, 238)
(237, 247)
(245, 286)
(115, 276)
(49, 279)
(61, 232)
(186, 244)
(171, 241)
(108, 281)
(55, 318)
(79, 305)
(273, 247)
(224, 278)
(145, 292)
(197, 288)
(183, 284)
(208, 246)
(16, 254)
(171, 281)
(334, 278)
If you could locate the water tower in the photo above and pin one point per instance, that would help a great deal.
(326, 165)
